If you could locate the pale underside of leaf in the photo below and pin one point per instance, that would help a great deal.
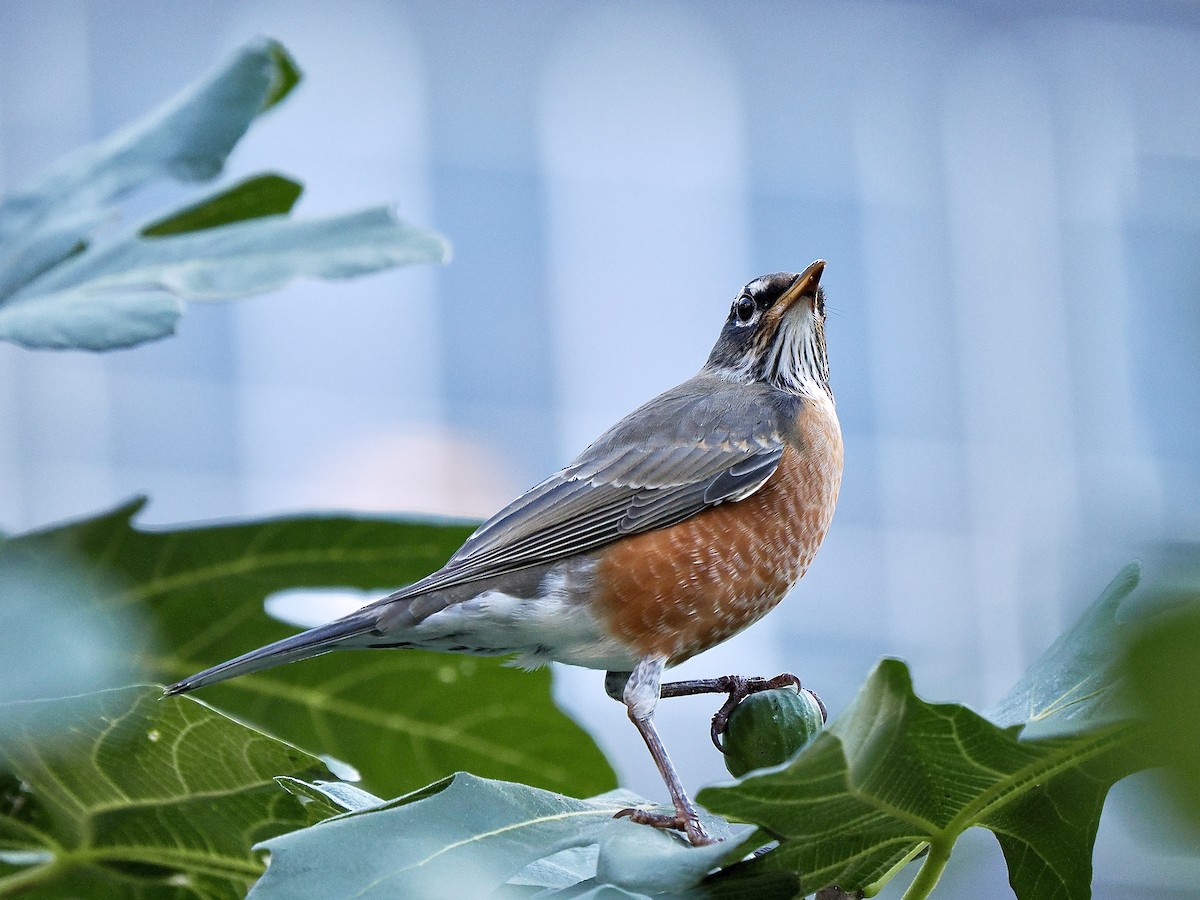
(132, 291)
(475, 836)
(188, 138)
(64, 286)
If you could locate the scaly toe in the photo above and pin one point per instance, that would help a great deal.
(690, 826)
(739, 688)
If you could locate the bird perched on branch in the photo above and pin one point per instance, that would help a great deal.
(684, 523)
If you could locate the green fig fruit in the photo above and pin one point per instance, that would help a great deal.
(769, 728)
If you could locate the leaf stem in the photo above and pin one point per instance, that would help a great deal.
(24, 879)
(931, 870)
(877, 885)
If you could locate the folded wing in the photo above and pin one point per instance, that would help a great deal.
(699, 445)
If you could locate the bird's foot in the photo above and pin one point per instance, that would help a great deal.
(738, 687)
(687, 822)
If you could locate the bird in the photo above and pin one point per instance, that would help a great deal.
(684, 523)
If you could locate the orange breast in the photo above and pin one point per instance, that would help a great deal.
(677, 591)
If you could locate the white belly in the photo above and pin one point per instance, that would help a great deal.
(554, 626)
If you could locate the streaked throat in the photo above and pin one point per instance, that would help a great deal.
(796, 361)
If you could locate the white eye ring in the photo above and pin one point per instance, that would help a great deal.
(744, 308)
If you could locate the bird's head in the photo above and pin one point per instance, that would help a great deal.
(775, 333)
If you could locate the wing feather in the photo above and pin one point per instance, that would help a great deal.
(705, 442)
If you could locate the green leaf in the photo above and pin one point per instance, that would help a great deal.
(402, 717)
(474, 836)
(735, 883)
(1075, 680)
(254, 198)
(284, 76)
(186, 139)
(894, 774)
(1162, 663)
(133, 290)
(62, 286)
(144, 799)
(326, 799)
(42, 620)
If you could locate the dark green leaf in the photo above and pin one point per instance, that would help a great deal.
(1047, 834)
(401, 717)
(735, 883)
(472, 836)
(140, 799)
(285, 75)
(1163, 667)
(254, 198)
(894, 774)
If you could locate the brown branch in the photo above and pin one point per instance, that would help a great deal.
(836, 893)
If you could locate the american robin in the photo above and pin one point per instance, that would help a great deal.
(684, 523)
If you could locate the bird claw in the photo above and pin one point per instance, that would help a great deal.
(688, 824)
(739, 688)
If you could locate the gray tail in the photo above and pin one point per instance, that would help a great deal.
(313, 642)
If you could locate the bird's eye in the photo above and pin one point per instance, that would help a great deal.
(744, 309)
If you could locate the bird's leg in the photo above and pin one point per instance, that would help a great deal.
(640, 695)
(738, 687)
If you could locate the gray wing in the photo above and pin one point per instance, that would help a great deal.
(705, 442)
(700, 444)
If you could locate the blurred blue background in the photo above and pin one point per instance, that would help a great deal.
(1008, 196)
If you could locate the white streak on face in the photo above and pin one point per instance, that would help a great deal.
(756, 286)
